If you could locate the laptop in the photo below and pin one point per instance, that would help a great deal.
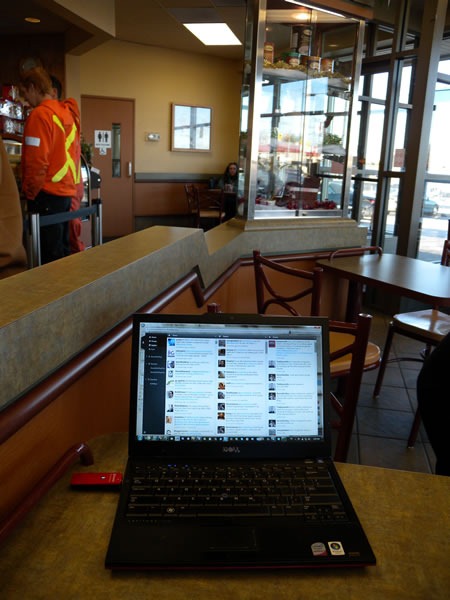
(229, 449)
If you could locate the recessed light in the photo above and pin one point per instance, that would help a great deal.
(213, 34)
(32, 20)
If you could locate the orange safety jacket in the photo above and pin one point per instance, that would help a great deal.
(72, 105)
(51, 150)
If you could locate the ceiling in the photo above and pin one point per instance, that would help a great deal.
(148, 22)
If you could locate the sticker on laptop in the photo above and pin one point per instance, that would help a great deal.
(319, 549)
(336, 548)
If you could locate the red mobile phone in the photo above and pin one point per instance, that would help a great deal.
(96, 480)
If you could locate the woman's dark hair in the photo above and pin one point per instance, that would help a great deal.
(227, 171)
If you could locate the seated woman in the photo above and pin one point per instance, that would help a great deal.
(432, 396)
(229, 184)
(229, 180)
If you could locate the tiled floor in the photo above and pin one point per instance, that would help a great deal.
(382, 426)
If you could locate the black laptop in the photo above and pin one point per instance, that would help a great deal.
(229, 449)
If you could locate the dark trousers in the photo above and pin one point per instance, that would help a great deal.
(54, 238)
(433, 393)
(229, 205)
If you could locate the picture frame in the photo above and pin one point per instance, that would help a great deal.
(191, 128)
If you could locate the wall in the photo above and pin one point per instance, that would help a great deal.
(156, 78)
(98, 14)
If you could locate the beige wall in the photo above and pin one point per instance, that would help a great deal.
(156, 78)
(97, 13)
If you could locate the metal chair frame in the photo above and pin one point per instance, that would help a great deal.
(423, 329)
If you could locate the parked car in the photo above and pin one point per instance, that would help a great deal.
(334, 192)
(430, 208)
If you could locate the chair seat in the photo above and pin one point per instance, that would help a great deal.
(432, 323)
(211, 213)
(341, 366)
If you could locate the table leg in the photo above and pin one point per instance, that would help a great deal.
(354, 301)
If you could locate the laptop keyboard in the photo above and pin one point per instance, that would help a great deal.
(304, 490)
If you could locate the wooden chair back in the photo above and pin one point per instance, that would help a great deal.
(345, 401)
(445, 257)
(267, 295)
(210, 205)
(358, 251)
(192, 203)
(204, 206)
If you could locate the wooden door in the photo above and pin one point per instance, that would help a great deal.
(108, 124)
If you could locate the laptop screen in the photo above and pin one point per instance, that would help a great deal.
(228, 378)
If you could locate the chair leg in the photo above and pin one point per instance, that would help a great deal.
(384, 360)
(414, 429)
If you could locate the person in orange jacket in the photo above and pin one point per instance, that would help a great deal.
(75, 241)
(50, 160)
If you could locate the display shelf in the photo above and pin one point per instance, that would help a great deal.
(336, 81)
(12, 117)
(326, 83)
(300, 130)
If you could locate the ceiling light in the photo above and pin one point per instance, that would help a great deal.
(300, 3)
(213, 34)
(32, 20)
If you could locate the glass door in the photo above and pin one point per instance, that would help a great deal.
(436, 202)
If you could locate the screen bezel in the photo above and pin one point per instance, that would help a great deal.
(229, 450)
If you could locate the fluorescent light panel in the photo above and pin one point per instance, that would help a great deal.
(300, 3)
(213, 34)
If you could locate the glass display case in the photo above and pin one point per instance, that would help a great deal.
(297, 102)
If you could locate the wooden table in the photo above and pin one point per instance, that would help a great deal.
(400, 275)
(58, 551)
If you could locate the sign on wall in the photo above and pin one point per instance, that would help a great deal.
(102, 138)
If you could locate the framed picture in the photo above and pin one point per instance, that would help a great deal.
(191, 128)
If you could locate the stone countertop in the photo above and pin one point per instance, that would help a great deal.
(51, 313)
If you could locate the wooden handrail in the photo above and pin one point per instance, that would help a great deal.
(81, 452)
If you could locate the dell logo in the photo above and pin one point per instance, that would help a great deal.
(231, 449)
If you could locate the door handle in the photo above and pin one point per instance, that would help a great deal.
(130, 168)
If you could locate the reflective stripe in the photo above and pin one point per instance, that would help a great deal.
(70, 163)
(32, 141)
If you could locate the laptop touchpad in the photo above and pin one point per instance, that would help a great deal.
(231, 539)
